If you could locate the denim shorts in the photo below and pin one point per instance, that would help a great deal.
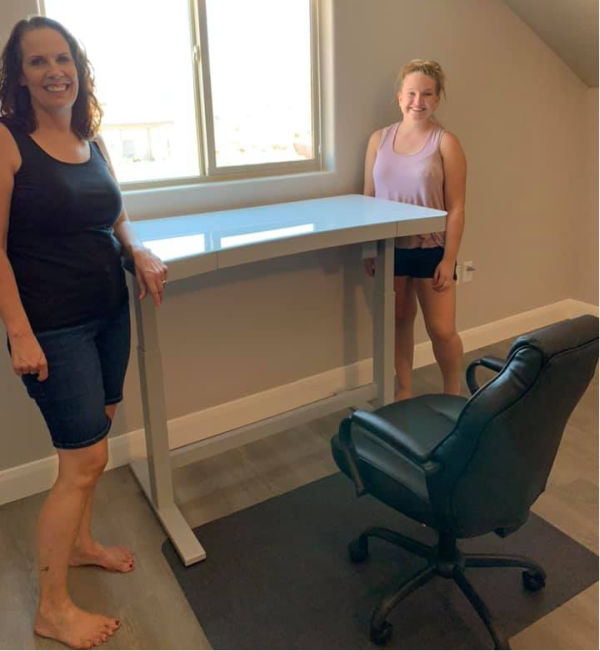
(419, 262)
(86, 371)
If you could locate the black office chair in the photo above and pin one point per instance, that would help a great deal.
(466, 467)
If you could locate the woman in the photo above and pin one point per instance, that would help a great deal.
(417, 161)
(63, 297)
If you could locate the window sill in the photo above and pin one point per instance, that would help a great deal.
(212, 195)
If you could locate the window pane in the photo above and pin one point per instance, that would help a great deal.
(142, 56)
(260, 70)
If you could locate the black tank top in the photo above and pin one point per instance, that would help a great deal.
(61, 244)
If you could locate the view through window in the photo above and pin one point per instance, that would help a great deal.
(261, 80)
(260, 91)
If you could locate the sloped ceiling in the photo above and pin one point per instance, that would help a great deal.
(569, 27)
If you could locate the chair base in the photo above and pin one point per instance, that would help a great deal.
(444, 559)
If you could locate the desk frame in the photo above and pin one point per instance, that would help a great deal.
(155, 472)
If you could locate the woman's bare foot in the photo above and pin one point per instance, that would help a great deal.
(74, 627)
(116, 559)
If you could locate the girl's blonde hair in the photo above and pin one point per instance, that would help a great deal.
(426, 66)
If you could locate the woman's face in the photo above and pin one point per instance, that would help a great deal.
(48, 70)
(417, 98)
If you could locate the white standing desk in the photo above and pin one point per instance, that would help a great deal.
(204, 243)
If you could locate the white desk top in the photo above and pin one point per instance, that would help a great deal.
(195, 244)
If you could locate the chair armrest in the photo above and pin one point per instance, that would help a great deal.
(388, 433)
(347, 445)
(493, 363)
(393, 436)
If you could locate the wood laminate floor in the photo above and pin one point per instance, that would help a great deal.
(153, 611)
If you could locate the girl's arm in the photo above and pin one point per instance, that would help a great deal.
(369, 185)
(455, 176)
(370, 156)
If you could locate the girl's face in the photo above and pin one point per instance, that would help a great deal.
(48, 70)
(417, 98)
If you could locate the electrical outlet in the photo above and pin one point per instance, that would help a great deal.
(468, 271)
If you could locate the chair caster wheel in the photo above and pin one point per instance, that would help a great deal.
(533, 581)
(381, 635)
(357, 552)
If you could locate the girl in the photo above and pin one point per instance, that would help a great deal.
(417, 161)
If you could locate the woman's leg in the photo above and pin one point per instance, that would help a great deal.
(439, 312)
(58, 617)
(406, 311)
(86, 550)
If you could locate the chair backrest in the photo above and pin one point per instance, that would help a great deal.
(498, 458)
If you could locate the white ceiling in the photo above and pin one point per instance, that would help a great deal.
(569, 27)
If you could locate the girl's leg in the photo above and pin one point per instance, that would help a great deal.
(439, 312)
(406, 311)
(86, 550)
(58, 617)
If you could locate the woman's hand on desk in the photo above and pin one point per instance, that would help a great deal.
(151, 274)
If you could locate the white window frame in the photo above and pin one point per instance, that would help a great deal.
(209, 172)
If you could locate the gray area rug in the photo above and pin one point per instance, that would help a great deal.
(277, 576)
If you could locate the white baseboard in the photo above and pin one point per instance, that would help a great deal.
(36, 476)
(511, 326)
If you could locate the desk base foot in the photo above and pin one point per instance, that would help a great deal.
(175, 525)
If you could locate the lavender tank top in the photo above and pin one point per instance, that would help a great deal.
(414, 178)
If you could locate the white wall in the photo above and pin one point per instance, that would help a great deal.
(252, 328)
(586, 223)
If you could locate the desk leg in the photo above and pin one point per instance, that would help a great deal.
(155, 477)
(383, 323)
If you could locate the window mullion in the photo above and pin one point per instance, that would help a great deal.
(315, 65)
(203, 72)
(197, 83)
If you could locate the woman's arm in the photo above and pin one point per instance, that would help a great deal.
(26, 354)
(455, 177)
(150, 271)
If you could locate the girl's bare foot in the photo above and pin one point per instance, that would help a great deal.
(116, 559)
(74, 627)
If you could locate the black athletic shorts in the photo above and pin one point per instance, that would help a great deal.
(418, 263)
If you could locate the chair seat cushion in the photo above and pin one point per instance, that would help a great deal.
(427, 419)
(388, 474)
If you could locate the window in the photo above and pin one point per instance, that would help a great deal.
(202, 89)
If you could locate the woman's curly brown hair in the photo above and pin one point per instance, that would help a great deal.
(15, 102)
